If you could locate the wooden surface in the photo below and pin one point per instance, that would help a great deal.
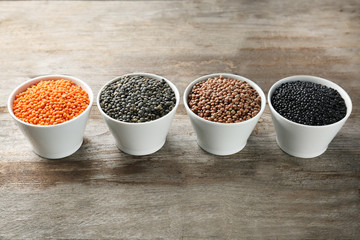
(180, 192)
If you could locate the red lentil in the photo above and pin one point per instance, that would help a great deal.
(50, 102)
(224, 100)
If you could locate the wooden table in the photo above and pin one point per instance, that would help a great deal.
(180, 192)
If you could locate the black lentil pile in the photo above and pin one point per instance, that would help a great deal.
(137, 99)
(224, 100)
(308, 103)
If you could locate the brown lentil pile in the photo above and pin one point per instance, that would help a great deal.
(224, 100)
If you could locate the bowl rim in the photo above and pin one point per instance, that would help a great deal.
(227, 75)
(151, 75)
(314, 79)
(49, 77)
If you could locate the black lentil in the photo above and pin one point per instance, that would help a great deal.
(137, 99)
(224, 100)
(308, 103)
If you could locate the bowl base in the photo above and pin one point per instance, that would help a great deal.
(141, 152)
(59, 155)
(300, 154)
(222, 152)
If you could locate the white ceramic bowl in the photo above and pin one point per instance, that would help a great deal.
(301, 140)
(222, 138)
(54, 141)
(140, 138)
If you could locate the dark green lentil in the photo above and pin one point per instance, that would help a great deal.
(137, 99)
(308, 103)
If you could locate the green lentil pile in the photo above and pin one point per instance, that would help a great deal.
(224, 100)
(137, 99)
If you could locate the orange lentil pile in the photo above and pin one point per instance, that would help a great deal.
(50, 102)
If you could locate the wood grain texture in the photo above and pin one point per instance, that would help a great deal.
(180, 192)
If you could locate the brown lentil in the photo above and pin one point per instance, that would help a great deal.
(224, 100)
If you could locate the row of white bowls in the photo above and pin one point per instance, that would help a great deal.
(62, 140)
